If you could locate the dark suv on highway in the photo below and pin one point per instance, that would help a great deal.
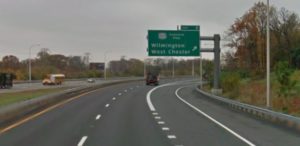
(152, 79)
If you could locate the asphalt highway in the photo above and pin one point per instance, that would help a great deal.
(35, 85)
(133, 114)
(38, 85)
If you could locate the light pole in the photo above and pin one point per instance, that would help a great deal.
(29, 62)
(268, 54)
(105, 53)
(193, 67)
(145, 67)
(200, 72)
(173, 68)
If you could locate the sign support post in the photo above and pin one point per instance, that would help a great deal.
(216, 50)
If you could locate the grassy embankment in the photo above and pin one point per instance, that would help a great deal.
(254, 92)
(10, 98)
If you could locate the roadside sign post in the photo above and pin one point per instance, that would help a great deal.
(216, 50)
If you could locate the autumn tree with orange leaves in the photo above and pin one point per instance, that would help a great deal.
(247, 38)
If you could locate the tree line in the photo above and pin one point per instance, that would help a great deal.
(77, 67)
(244, 66)
(247, 39)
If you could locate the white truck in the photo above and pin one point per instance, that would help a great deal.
(54, 79)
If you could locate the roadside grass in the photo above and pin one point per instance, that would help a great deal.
(10, 98)
(253, 92)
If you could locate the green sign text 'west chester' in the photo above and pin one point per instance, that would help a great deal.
(173, 43)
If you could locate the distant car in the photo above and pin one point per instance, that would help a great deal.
(152, 79)
(90, 80)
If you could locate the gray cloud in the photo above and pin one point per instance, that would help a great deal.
(73, 27)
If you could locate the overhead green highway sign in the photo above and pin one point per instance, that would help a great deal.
(173, 43)
(190, 27)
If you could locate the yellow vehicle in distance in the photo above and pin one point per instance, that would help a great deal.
(54, 79)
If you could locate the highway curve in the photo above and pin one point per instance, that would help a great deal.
(121, 115)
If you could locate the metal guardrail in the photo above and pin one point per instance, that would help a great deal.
(266, 114)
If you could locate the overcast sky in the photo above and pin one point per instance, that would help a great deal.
(73, 27)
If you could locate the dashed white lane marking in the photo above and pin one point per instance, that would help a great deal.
(171, 136)
(125, 90)
(165, 128)
(120, 94)
(131, 88)
(213, 120)
(107, 105)
(161, 122)
(114, 98)
(82, 141)
(155, 114)
(98, 117)
(157, 117)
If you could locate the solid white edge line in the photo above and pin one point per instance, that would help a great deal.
(212, 119)
(98, 117)
(148, 97)
(81, 142)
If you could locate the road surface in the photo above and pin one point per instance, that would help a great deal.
(132, 114)
(67, 84)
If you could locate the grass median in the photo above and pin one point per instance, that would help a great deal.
(14, 97)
